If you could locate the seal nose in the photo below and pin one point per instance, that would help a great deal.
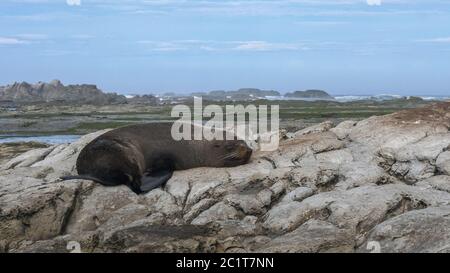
(242, 150)
(247, 151)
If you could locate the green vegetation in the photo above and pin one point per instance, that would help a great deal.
(95, 126)
(28, 124)
(85, 119)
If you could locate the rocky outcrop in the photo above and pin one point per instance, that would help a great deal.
(144, 100)
(310, 94)
(241, 94)
(56, 92)
(381, 184)
(10, 150)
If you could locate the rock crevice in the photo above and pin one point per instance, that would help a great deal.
(326, 189)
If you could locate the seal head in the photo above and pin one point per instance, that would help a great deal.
(228, 153)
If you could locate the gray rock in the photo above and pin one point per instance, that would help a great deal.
(438, 182)
(424, 230)
(56, 92)
(248, 203)
(357, 209)
(310, 94)
(312, 237)
(319, 128)
(443, 162)
(298, 194)
(343, 129)
(380, 182)
(28, 158)
(219, 211)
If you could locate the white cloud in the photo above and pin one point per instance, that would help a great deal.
(82, 37)
(10, 41)
(19, 39)
(209, 45)
(323, 8)
(163, 46)
(56, 53)
(373, 2)
(32, 36)
(265, 46)
(73, 2)
(437, 40)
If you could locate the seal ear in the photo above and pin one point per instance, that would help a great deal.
(150, 181)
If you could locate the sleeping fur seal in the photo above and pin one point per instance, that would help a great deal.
(144, 156)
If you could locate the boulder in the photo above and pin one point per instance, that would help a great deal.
(425, 231)
(381, 184)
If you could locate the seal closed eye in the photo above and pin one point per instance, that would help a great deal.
(144, 156)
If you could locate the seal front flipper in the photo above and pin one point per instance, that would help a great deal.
(152, 180)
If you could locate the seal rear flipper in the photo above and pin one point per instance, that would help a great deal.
(152, 181)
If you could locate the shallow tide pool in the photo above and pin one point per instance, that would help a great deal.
(51, 139)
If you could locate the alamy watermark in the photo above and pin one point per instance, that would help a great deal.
(74, 247)
(250, 123)
(374, 246)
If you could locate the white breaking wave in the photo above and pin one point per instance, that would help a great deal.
(435, 98)
(384, 97)
(348, 98)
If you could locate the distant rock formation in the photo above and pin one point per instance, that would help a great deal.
(241, 94)
(144, 99)
(56, 92)
(310, 94)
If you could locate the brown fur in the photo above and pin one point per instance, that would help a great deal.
(125, 155)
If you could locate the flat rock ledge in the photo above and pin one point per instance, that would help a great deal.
(381, 184)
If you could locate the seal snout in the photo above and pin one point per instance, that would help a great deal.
(244, 151)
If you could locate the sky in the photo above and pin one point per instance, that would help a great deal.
(346, 47)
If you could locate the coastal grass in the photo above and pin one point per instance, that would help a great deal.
(95, 126)
(86, 119)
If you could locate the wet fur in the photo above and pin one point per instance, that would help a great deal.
(144, 156)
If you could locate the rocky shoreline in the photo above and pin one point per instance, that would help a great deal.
(382, 180)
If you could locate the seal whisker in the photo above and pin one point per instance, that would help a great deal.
(228, 155)
(232, 155)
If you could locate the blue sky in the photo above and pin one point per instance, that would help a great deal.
(144, 46)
